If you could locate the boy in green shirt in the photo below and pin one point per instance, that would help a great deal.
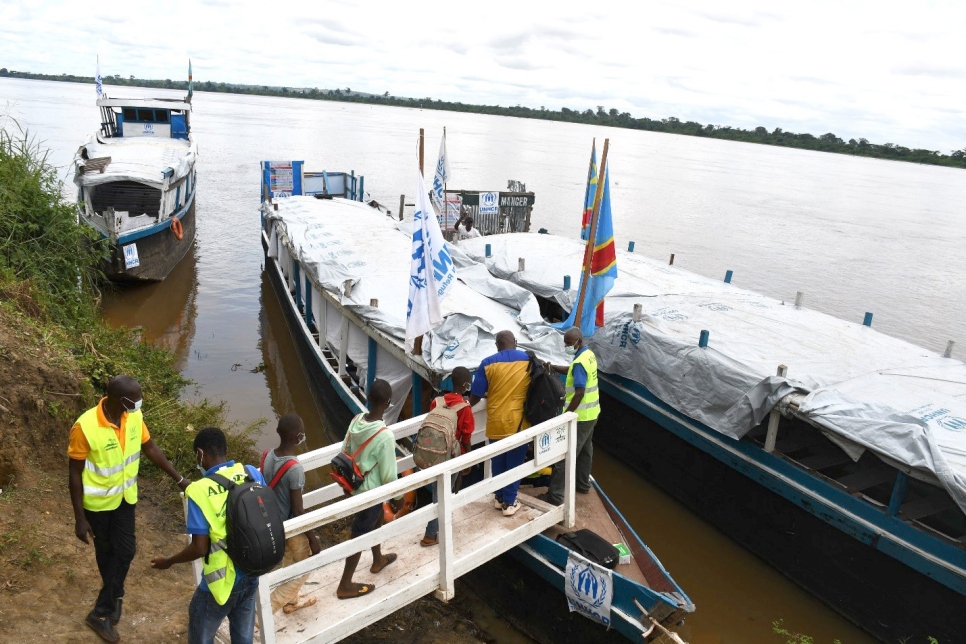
(378, 464)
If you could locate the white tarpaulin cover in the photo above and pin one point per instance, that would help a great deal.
(357, 254)
(141, 159)
(867, 389)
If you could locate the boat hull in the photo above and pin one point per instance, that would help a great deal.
(158, 252)
(880, 594)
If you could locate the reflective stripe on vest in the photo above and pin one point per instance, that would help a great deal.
(218, 570)
(589, 407)
(110, 472)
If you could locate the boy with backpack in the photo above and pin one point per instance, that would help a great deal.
(225, 590)
(450, 414)
(286, 477)
(374, 450)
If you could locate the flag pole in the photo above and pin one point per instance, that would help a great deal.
(421, 152)
(591, 239)
(443, 205)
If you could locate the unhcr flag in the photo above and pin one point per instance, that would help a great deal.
(603, 270)
(98, 81)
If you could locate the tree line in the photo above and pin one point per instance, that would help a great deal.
(828, 142)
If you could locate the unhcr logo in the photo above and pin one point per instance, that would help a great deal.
(588, 587)
(953, 423)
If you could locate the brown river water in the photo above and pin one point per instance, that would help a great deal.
(855, 234)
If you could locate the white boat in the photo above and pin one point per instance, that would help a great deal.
(136, 181)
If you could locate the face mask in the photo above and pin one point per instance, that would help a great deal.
(570, 350)
(135, 404)
(466, 389)
(200, 466)
(301, 440)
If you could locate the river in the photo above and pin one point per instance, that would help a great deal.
(854, 234)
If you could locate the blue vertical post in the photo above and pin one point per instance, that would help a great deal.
(630, 247)
(352, 185)
(371, 368)
(703, 339)
(417, 394)
(868, 319)
(298, 285)
(566, 282)
(898, 494)
(728, 276)
(489, 251)
(362, 188)
(308, 302)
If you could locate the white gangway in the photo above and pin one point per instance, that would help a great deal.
(471, 532)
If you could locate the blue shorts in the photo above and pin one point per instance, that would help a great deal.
(366, 521)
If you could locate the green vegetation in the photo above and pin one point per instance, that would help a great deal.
(791, 637)
(48, 292)
(828, 142)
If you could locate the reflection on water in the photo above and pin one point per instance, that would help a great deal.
(165, 311)
(855, 234)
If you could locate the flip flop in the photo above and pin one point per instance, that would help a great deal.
(390, 557)
(288, 609)
(363, 589)
(429, 541)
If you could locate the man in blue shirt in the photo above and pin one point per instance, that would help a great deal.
(232, 592)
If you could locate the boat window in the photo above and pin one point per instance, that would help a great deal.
(130, 114)
(161, 116)
(146, 116)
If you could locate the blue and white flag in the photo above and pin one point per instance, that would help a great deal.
(98, 81)
(431, 273)
(442, 174)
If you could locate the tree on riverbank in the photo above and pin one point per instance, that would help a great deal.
(827, 142)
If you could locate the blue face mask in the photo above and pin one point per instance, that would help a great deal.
(570, 350)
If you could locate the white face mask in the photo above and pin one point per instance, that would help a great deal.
(570, 350)
(201, 468)
(135, 404)
(301, 440)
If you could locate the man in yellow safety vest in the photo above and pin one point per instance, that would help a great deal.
(105, 449)
(582, 397)
(224, 591)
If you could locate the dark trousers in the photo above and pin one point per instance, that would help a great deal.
(585, 460)
(114, 550)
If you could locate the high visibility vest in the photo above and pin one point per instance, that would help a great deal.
(211, 498)
(110, 472)
(589, 407)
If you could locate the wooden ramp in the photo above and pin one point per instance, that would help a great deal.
(480, 533)
(471, 532)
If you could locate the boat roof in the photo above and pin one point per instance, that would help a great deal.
(157, 103)
(357, 254)
(142, 159)
(865, 389)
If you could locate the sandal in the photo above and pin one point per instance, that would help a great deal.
(429, 541)
(389, 557)
(361, 589)
(288, 609)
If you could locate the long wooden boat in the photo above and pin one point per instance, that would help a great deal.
(846, 470)
(334, 264)
(136, 182)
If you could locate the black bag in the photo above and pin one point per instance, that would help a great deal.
(256, 537)
(545, 394)
(592, 546)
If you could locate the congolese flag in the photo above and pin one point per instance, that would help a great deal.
(589, 194)
(603, 269)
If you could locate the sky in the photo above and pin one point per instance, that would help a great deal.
(891, 72)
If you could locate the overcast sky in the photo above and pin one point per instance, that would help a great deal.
(888, 71)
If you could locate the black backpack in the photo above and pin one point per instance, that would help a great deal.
(545, 395)
(256, 536)
(591, 546)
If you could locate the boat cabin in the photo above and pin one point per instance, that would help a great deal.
(136, 117)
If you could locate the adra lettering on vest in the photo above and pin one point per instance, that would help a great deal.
(112, 444)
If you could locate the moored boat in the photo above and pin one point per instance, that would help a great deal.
(136, 182)
(340, 270)
(834, 452)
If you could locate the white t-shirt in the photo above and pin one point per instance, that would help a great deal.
(462, 233)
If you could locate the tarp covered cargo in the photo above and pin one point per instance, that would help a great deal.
(866, 390)
(141, 159)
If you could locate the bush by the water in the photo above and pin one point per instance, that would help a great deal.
(49, 277)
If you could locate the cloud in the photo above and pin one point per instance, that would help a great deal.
(931, 70)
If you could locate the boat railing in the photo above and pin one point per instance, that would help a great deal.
(553, 441)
